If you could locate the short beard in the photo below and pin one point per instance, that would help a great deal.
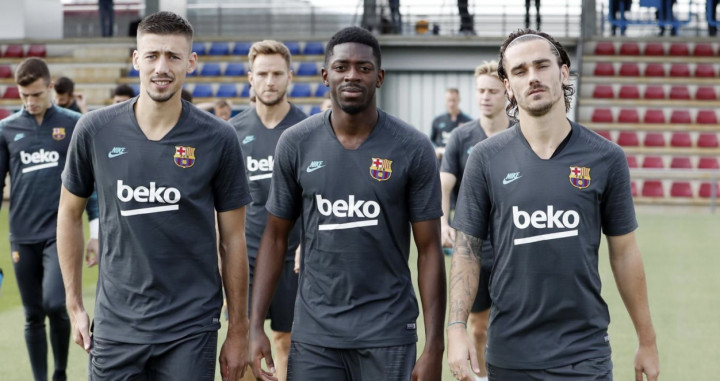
(540, 111)
(162, 98)
(280, 99)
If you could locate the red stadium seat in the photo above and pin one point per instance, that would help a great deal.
(654, 92)
(679, 92)
(708, 140)
(4, 113)
(11, 92)
(603, 92)
(706, 117)
(653, 188)
(653, 162)
(628, 139)
(602, 115)
(681, 139)
(654, 70)
(704, 70)
(5, 71)
(603, 69)
(604, 133)
(629, 69)
(37, 50)
(629, 92)
(681, 162)
(628, 116)
(708, 162)
(632, 161)
(678, 49)
(706, 190)
(633, 189)
(629, 49)
(605, 48)
(681, 189)
(680, 117)
(705, 93)
(703, 50)
(654, 49)
(654, 139)
(679, 70)
(14, 51)
(654, 116)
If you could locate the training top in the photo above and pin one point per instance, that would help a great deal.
(443, 125)
(158, 268)
(545, 217)
(35, 157)
(258, 144)
(356, 207)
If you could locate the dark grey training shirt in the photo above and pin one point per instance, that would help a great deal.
(443, 125)
(158, 273)
(356, 207)
(545, 217)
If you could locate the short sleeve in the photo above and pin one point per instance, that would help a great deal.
(472, 212)
(451, 158)
(78, 176)
(285, 198)
(230, 184)
(424, 192)
(617, 208)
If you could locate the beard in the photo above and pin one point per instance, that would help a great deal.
(161, 98)
(273, 102)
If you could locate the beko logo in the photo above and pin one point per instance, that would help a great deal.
(41, 159)
(549, 219)
(153, 194)
(265, 165)
(348, 209)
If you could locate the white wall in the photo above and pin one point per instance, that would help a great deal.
(37, 19)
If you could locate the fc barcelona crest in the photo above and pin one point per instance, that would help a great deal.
(380, 169)
(580, 177)
(58, 133)
(184, 156)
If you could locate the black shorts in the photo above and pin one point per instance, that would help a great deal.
(311, 362)
(282, 306)
(482, 298)
(597, 369)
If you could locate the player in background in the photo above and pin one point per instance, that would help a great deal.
(491, 98)
(123, 92)
(359, 181)
(259, 129)
(542, 192)
(164, 171)
(65, 96)
(33, 147)
(443, 124)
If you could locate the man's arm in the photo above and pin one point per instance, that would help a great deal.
(464, 279)
(431, 282)
(93, 248)
(70, 254)
(233, 254)
(627, 266)
(270, 260)
(448, 181)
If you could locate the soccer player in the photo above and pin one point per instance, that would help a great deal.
(493, 119)
(360, 181)
(122, 93)
(162, 169)
(443, 124)
(33, 147)
(259, 129)
(66, 97)
(542, 192)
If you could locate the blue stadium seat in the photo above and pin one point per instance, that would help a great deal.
(293, 47)
(132, 72)
(314, 48)
(199, 48)
(321, 90)
(202, 91)
(241, 48)
(219, 49)
(211, 69)
(235, 69)
(136, 88)
(315, 110)
(245, 91)
(300, 90)
(227, 90)
(307, 69)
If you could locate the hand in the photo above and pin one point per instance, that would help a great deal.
(91, 252)
(460, 350)
(447, 234)
(428, 366)
(81, 102)
(297, 261)
(646, 361)
(233, 355)
(439, 152)
(259, 349)
(80, 328)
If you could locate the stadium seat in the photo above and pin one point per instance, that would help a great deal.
(708, 162)
(14, 51)
(293, 47)
(315, 110)
(629, 69)
(654, 116)
(4, 113)
(135, 87)
(604, 69)
(219, 49)
(629, 92)
(602, 115)
(245, 93)
(227, 90)
(300, 90)
(202, 90)
(653, 188)
(629, 49)
(316, 48)
(681, 139)
(654, 49)
(706, 117)
(628, 139)
(681, 189)
(680, 117)
(235, 69)
(603, 92)
(706, 190)
(704, 70)
(199, 48)
(679, 93)
(654, 92)
(307, 69)
(703, 50)
(678, 49)
(133, 72)
(604, 133)
(628, 116)
(680, 70)
(37, 50)
(705, 93)
(707, 140)
(241, 48)
(654, 70)
(653, 162)
(681, 162)
(321, 90)
(11, 92)
(211, 69)
(5, 71)
(633, 189)
(632, 161)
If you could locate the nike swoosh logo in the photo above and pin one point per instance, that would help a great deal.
(314, 168)
(506, 181)
(112, 155)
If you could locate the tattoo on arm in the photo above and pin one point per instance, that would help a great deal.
(464, 275)
(468, 245)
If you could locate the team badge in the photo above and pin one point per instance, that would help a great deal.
(580, 177)
(16, 256)
(380, 169)
(184, 156)
(58, 133)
